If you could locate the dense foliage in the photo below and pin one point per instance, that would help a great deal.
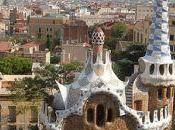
(44, 82)
(15, 65)
(55, 59)
(119, 30)
(123, 68)
(124, 61)
(49, 43)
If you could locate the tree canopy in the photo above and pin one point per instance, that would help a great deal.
(124, 61)
(49, 43)
(55, 59)
(123, 68)
(119, 30)
(15, 65)
(44, 82)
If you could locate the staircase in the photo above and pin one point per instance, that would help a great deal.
(129, 89)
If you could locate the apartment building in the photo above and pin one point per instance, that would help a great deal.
(75, 32)
(31, 51)
(141, 31)
(13, 116)
(71, 53)
(97, 19)
(58, 28)
(143, 11)
(46, 26)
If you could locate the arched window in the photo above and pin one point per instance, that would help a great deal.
(152, 69)
(161, 69)
(110, 115)
(158, 115)
(151, 116)
(90, 115)
(171, 69)
(100, 115)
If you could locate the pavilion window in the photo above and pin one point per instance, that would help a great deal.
(100, 116)
(90, 115)
(168, 92)
(110, 115)
(160, 94)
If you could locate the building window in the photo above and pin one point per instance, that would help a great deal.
(152, 67)
(171, 69)
(141, 38)
(34, 114)
(173, 22)
(110, 115)
(172, 48)
(161, 69)
(54, 22)
(100, 116)
(90, 115)
(39, 30)
(11, 127)
(172, 92)
(12, 114)
(138, 37)
(168, 92)
(171, 37)
(138, 105)
(160, 94)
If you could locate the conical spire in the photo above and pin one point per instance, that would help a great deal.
(158, 50)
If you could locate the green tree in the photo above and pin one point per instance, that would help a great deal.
(124, 60)
(119, 31)
(110, 44)
(135, 51)
(123, 68)
(49, 43)
(57, 40)
(55, 59)
(15, 65)
(74, 66)
(69, 70)
(43, 84)
(37, 88)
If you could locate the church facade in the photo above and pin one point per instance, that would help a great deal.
(98, 100)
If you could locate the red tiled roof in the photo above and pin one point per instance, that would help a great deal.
(30, 44)
(5, 46)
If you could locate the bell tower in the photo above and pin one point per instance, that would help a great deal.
(156, 68)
